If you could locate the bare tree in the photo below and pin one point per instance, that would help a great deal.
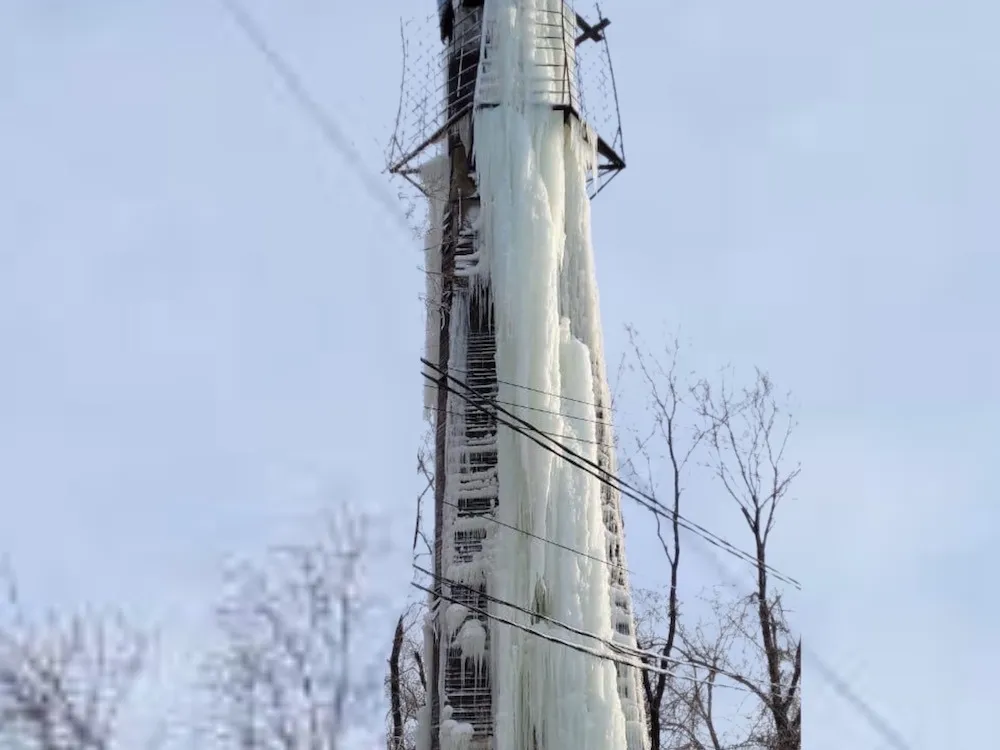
(406, 682)
(745, 645)
(748, 434)
(287, 674)
(717, 697)
(667, 404)
(64, 680)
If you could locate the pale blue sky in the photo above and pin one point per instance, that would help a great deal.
(208, 328)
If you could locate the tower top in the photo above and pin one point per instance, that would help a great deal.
(581, 82)
(446, 14)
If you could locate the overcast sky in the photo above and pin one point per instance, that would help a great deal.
(209, 329)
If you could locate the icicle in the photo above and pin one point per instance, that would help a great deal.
(424, 730)
(472, 642)
(423, 738)
(454, 735)
(535, 251)
(454, 616)
(434, 177)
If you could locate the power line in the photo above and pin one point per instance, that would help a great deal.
(840, 686)
(874, 719)
(539, 390)
(645, 500)
(547, 433)
(332, 133)
(879, 724)
(606, 478)
(539, 409)
(619, 648)
(568, 644)
(336, 138)
(552, 542)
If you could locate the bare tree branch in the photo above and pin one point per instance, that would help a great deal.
(666, 401)
(285, 674)
(64, 680)
(745, 435)
(405, 682)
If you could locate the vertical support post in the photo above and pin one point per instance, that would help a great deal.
(452, 222)
(567, 75)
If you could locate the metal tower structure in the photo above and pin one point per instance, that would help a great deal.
(466, 490)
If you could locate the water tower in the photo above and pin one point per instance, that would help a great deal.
(563, 67)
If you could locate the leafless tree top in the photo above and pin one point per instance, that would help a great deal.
(290, 672)
(744, 643)
(64, 680)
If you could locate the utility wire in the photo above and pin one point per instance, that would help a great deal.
(872, 717)
(538, 390)
(560, 435)
(569, 644)
(839, 685)
(337, 139)
(535, 408)
(879, 724)
(332, 133)
(492, 519)
(608, 479)
(619, 648)
(645, 500)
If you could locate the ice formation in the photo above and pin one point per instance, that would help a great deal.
(455, 735)
(533, 253)
(434, 179)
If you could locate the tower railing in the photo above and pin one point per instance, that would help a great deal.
(571, 70)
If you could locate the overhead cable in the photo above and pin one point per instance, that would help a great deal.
(620, 648)
(331, 131)
(336, 138)
(538, 409)
(601, 474)
(569, 644)
(552, 542)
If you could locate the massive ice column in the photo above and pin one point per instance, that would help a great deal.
(526, 536)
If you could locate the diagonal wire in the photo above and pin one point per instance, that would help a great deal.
(539, 390)
(336, 138)
(605, 477)
(618, 648)
(559, 641)
(874, 719)
(538, 409)
(647, 501)
(560, 435)
(332, 133)
(494, 520)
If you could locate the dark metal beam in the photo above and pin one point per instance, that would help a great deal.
(591, 32)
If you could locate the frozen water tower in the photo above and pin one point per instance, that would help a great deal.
(450, 78)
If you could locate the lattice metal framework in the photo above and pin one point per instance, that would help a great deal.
(439, 93)
(439, 87)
